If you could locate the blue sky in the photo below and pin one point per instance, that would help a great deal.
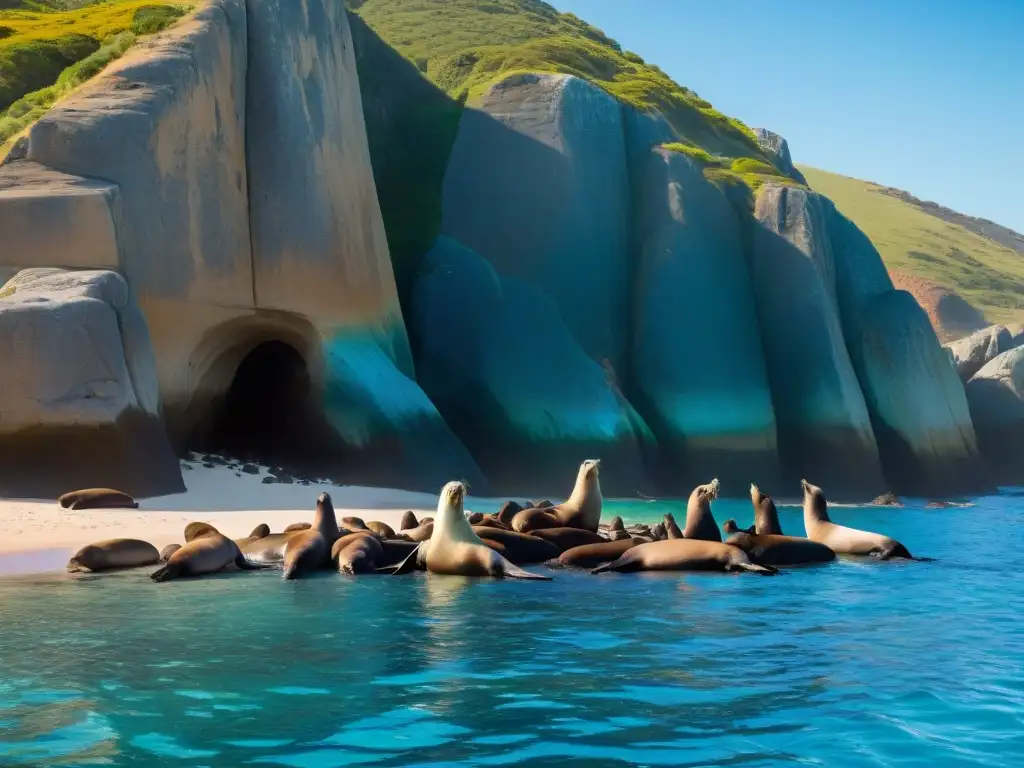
(924, 95)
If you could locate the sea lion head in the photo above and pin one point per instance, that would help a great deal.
(755, 494)
(195, 531)
(453, 496)
(260, 531)
(324, 498)
(590, 469)
(709, 492)
(730, 526)
(814, 499)
(84, 560)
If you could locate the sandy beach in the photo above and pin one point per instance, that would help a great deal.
(37, 536)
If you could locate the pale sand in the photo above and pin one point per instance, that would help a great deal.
(39, 536)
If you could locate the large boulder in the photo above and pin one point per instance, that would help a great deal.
(537, 184)
(78, 389)
(972, 353)
(777, 149)
(699, 377)
(917, 402)
(996, 397)
(503, 368)
(823, 423)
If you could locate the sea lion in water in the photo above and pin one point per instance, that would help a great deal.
(774, 549)
(408, 521)
(455, 550)
(684, 555)
(592, 555)
(361, 555)
(167, 551)
(309, 551)
(839, 538)
(671, 528)
(567, 538)
(381, 529)
(700, 523)
(97, 498)
(766, 516)
(581, 510)
(298, 527)
(113, 553)
(208, 552)
(519, 548)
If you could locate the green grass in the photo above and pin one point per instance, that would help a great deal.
(49, 49)
(988, 275)
(464, 46)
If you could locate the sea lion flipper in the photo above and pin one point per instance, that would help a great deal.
(764, 570)
(511, 571)
(166, 573)
(245, 565)
(410, 564)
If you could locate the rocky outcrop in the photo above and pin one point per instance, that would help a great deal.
(972, 353)
(996, 397)
(699, 377)
(537, 185)
(79, 399)
(511, 380)
(777, 149)
(823, 423)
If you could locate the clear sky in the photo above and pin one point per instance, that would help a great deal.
(923, 95)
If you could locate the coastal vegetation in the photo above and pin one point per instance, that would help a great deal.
(48, 48)
(745, 173)
(983, 271)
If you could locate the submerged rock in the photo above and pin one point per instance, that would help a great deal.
(996, 397)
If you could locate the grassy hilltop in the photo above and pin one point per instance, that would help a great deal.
(918, 244)
(50, 47)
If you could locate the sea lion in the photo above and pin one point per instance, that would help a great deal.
(361, 555)
(354, 523)
(618, 535)
(267, 549)
(671, 528)
(208, 552)
(658, 532)
(167, 551)
(475, 517)
(509, 510)
(491, 521)
(839, 538)
(259, 531)
(774, 549)
(730, 527)
(592, 555)
(684, 555)
(422, 532)
(408, 521)
(195, 530)
(381, 529)
(581, 510)
(541, 504)
(298, 527)
(519, 548)
(616, 524)
(567, 538)
(310, 550)
(113, 553)
(766, 516)
(97, 498)
(700, 523)
(455, 550)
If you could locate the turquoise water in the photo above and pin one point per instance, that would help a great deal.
(846, 664)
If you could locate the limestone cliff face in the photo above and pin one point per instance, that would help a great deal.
(699, 376)
(823, 422)
(537, 185)
(996, 397)
(513, 382)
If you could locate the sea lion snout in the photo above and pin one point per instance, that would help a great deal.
(324, 498)
(454, 492)
(712, 489)
(755, 492)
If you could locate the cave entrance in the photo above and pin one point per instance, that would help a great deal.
(269, 414)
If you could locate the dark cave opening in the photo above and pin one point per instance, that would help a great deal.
(269, 414)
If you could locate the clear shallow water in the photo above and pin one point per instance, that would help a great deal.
(848, 664)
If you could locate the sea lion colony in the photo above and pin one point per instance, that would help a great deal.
(497, 545)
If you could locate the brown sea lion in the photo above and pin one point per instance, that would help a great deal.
(839, 538)
(567, 538)
(298, 527)
(422, 532)
(455, 550)
(259, 531)
(730, 527)
(581, 510)
(209, 552)
(519, 548)
(533, 519)
(684, 555)
(509, 510)
(354, 524)
(362, 555)
(381, 529)
(773, 549)
(309, 551)
(658, 532)
(616, 524)
(113, 553)
(167, 551)
(540, 504)
(700, 523)
(97, 498)
(766, 516)
(592, 555)
(408, 521)
(475, 517)
(671, 528)
(618, 535)
(491, 521)
(195, 530)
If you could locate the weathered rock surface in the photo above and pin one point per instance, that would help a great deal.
(537, 185)
(952, 316)
(824, 429)
(919, 411)
(996, 397)
(699, 375)
(79, 405)
(971, 354)
(777, 148)
(502, 367)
